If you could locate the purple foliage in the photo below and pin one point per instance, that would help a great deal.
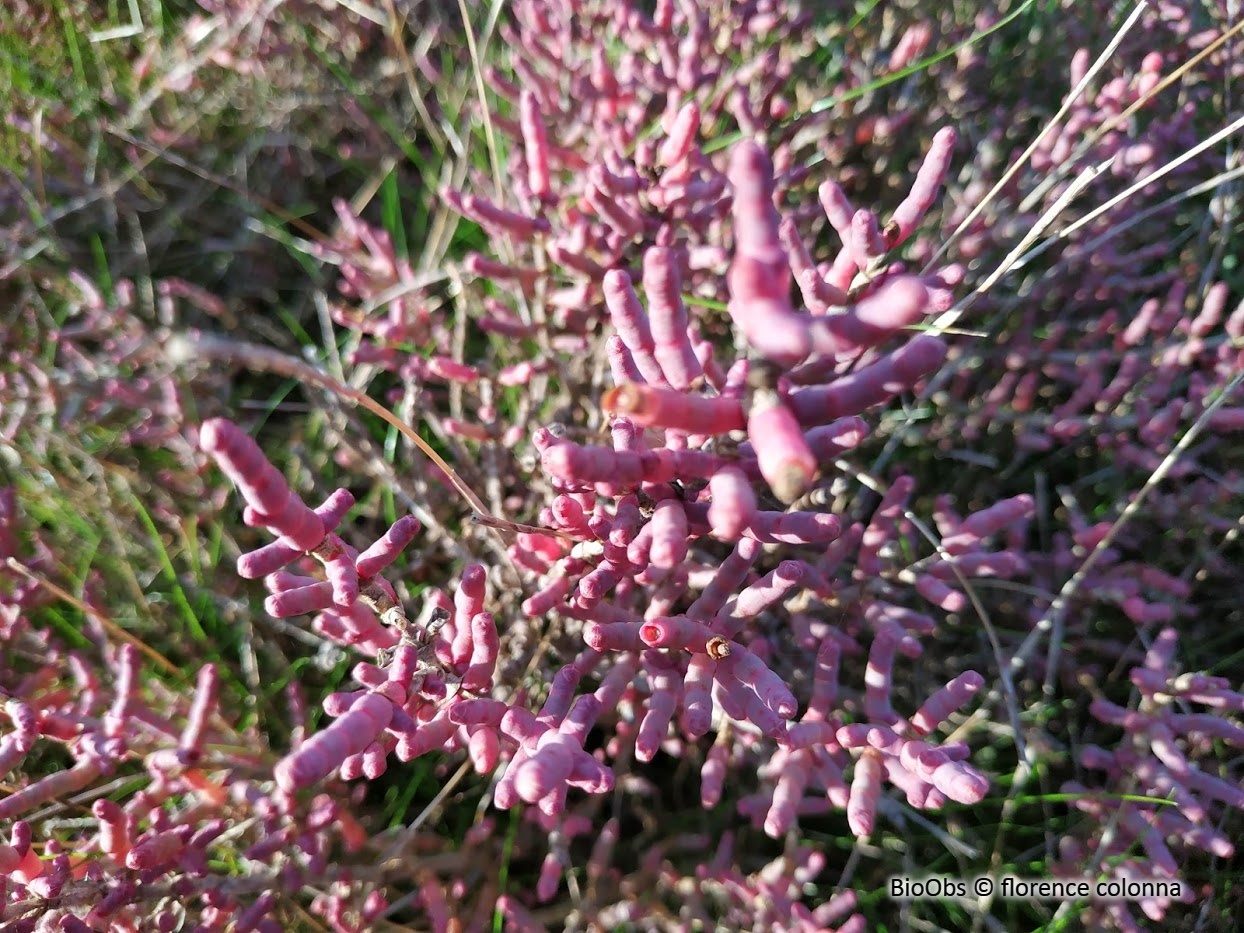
(797, 500)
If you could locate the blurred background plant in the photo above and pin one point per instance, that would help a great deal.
(323, 178)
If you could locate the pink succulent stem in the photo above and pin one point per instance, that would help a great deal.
(730, 575)
(326, 750)
(898, 302)
(865, 792)
(59, 784)
(261, 485)
(733, 505)
(989, 521)
(676, 632)
(666, 688)
(872, 385)
(652, 406)
(622, 365)
(536, 146)
(781, 450)
(207, 685)
(937, 708)
(669, 534)
(381, 554)
(487, 214)
(680, 135)
(759, 275)
(924, 189)
(668, 318)
(745, 667)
